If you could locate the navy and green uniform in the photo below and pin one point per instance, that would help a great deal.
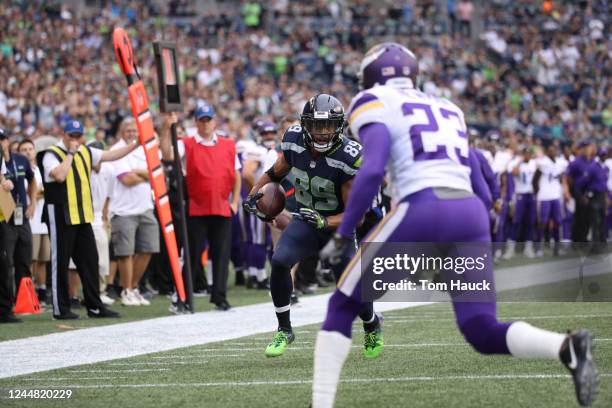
(318, 185)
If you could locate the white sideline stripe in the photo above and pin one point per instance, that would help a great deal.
(346, 380)
(134, 370)
(104, 343)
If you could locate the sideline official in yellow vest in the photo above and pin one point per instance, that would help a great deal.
(66, 170)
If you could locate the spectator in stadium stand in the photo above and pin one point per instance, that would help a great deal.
(6, 283)
(17, 232)
(134, 228)
(465, 10)
(41, 249)
(213, 177)
(68, 212)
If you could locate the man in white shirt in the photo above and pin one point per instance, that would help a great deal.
(101, 179)
(41, 249)
(134, 228)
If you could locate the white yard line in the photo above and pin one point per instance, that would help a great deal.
(309, 381)
(73, 378)
(134, 370)
(158, 363)
(506, 318)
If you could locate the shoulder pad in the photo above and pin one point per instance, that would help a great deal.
(293, 139)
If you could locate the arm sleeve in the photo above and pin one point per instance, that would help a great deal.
(50, 162)
(376, 140)
(29, 173)
(479, 184)
(96, 156)
(489, 176)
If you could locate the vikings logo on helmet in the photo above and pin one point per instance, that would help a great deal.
(389, 63)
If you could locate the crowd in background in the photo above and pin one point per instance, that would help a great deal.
(540, 69)
(527, 74)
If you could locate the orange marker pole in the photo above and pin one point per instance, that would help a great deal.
(146, 135)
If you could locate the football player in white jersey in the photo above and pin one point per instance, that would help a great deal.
(523, 168)
(421, 141)
(257, 160)
(548, 184)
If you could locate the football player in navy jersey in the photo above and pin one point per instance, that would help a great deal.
(323, 164)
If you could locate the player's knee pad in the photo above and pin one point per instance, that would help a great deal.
(484, 334)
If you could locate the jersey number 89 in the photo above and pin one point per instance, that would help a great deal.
(318, 188)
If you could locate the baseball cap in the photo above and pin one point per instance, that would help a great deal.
(73, 126)
(3, 135)
(584, 142)
(205, 111)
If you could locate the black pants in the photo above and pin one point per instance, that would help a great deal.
(18, 245)
(217, 231)
(76, 242)
(597, 216)
(580, 225)
(6, 283)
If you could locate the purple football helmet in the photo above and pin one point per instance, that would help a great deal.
(267, 134)
(389, 63)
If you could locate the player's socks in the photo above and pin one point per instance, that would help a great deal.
(371, 323)
(331, 350)
(527, 341)
(283, 317)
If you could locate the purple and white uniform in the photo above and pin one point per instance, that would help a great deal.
(524, 201)
(422, 142)
(258, 236)
(550, 193)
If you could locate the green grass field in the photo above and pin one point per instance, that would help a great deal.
(424, 364)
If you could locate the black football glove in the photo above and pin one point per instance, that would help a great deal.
(312, 217)
(250, 205)
(333, 252)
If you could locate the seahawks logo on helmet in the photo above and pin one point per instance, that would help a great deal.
(323, 122)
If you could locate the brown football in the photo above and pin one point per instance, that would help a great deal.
(273, 200)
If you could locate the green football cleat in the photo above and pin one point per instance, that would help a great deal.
(373, 343)
(279, 343)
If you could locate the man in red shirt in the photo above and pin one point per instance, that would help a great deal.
(212, 177)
